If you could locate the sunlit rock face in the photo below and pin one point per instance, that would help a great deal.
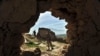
(17, 16)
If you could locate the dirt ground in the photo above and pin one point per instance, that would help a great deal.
(57, 51)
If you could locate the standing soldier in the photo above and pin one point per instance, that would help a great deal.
(49, 42)
(34, 33)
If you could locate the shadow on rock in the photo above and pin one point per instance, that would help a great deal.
(37, 52)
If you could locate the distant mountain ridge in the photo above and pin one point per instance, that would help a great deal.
(61, 35)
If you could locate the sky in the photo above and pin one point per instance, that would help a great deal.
(46, 20)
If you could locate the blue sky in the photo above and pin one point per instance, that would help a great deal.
(46, 20)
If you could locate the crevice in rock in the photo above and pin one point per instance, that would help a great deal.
(64, 1)
(64, 10)
(95, 27)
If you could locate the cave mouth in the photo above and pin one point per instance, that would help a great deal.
(47, 21)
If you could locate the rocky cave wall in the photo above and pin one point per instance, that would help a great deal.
(17, 16)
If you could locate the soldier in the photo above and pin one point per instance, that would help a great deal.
(49, 42)
(34, 32)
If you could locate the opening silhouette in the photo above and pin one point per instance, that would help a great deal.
(46, 20)
(48, 34)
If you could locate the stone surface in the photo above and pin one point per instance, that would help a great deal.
(46, 34)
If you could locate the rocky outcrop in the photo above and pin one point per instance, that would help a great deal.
(46, 34)
(17, 16)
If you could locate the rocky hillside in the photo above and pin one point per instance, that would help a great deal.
(33, 43)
